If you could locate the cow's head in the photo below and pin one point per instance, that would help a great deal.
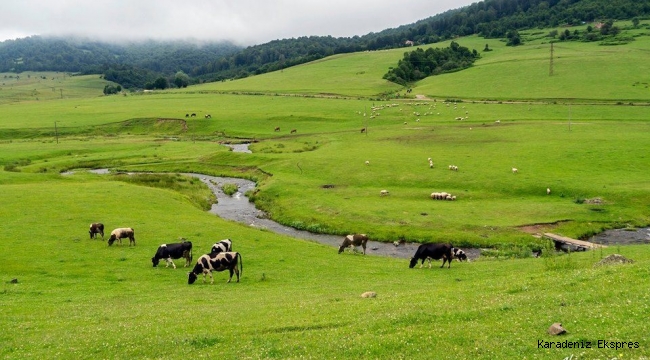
(460, 254)
(414, 261)
(155, 261)
(341, 248)
(111, 240)
(191, 278)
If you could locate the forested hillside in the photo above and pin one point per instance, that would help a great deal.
(140, 65)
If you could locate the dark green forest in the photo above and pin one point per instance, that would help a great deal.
(141, 65)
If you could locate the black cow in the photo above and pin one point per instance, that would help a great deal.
(224, 245)
(217, 262)
(173, 251)
(433, 251)
(96, 228)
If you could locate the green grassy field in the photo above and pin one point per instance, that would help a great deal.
(583, 133)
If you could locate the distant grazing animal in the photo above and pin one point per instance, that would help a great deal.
(193, 115)
(277, 129)
(384, 193)
(220, 262)
(363, 130)
(187, 115)
(515, 170)
(224, 245)
(96, 228)
(173, 251)
(208, 116)
(459, 254)
(548, 191)
(367, 162)
(293, 131)
(122, 233)
(354, 241)
(434, 251)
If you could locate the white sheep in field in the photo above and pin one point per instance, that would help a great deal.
(367, 162)
(431, 164)
(383, 193)
(515, 170)
(453, 167)
(548, 191)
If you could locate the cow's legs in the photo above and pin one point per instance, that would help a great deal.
(169, 260)
(231, 272)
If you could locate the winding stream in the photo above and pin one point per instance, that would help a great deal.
(238, 208)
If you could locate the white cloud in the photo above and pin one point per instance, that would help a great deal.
(246, 22)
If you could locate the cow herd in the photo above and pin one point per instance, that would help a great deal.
(446, 252)
(221, 256)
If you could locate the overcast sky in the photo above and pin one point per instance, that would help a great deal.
(245, 22)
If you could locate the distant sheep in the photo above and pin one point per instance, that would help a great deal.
(548, 191)
(515, 170)
(453, 167)
(383, 193)
(442, 196)
(367, 162)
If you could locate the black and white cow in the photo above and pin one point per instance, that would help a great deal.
(217, 262)
(353, 241)
(122, 233)
(224, 245)
(433, 251)
(173, 251)
(459, 254)
(96, 228)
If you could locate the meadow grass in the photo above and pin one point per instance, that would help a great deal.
(87, 300)
(79, 298)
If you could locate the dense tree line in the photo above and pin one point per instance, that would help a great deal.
(130, 64)
(418, 64)
(139, 64)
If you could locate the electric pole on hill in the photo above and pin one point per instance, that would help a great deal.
(550, 71)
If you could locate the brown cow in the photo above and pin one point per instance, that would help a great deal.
(96, 228)
(277, 129)
(122, 233)
(353, 241)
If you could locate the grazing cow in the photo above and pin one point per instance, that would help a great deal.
(459, 254)
(219, 262)
(187, 115)
(173, 251)
(122, 233)
(363, 130)
(293, 131)
(353, 241)
(224, 245)
(434, 251)
(96, 228)
(193, 115)
(277, 129)
(208, 116)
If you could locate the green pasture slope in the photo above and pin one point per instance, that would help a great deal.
(79, 298)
